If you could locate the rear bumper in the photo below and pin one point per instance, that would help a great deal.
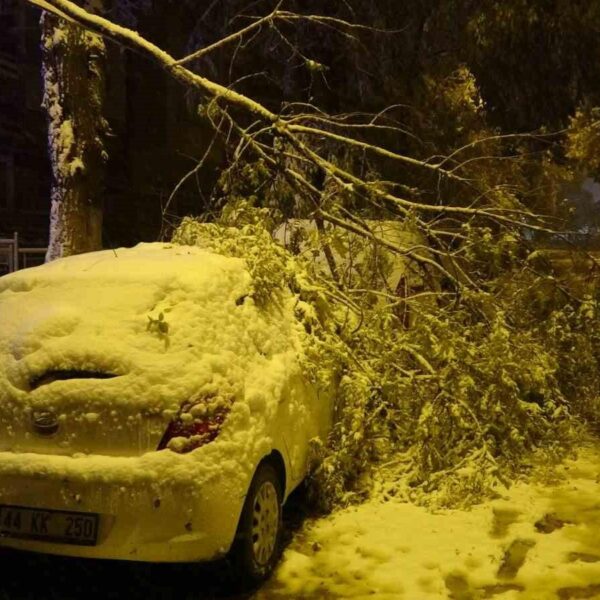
(146, 514)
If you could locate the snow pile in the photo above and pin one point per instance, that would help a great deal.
(164, 325)
(539, 541)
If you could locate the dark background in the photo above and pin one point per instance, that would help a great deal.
(535, 63)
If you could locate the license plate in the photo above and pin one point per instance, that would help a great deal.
(49, 525)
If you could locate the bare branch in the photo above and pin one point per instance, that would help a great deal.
(132, 40)
(507, 136)
(192, 172)
(324, 20)
(371, 148)
(268, 19)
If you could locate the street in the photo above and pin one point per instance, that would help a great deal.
(28, 576)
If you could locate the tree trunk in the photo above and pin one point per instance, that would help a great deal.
(74, 89)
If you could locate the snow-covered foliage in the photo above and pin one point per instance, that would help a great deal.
(453, 405)
(241, 234)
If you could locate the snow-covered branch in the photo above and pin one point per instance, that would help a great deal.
(292, 131)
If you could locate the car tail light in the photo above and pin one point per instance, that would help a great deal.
(197, 424)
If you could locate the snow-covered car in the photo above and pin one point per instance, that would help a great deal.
(150, 409)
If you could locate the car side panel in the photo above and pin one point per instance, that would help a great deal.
(305, 413)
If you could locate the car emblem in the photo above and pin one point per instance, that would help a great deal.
(45, 422)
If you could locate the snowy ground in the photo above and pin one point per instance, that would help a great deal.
(540, 541)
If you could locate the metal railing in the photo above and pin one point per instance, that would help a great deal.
(14, 257)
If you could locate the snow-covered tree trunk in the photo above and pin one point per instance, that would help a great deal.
(74, 86)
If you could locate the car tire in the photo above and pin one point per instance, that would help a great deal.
(257, 545)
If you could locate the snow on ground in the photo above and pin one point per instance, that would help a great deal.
(538, 541)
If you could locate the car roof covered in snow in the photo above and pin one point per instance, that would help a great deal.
(150, 262)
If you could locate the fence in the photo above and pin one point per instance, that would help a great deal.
(14, 257)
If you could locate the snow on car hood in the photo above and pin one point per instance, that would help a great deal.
(100, 313)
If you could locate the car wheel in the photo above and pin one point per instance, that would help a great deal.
(257, 542)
